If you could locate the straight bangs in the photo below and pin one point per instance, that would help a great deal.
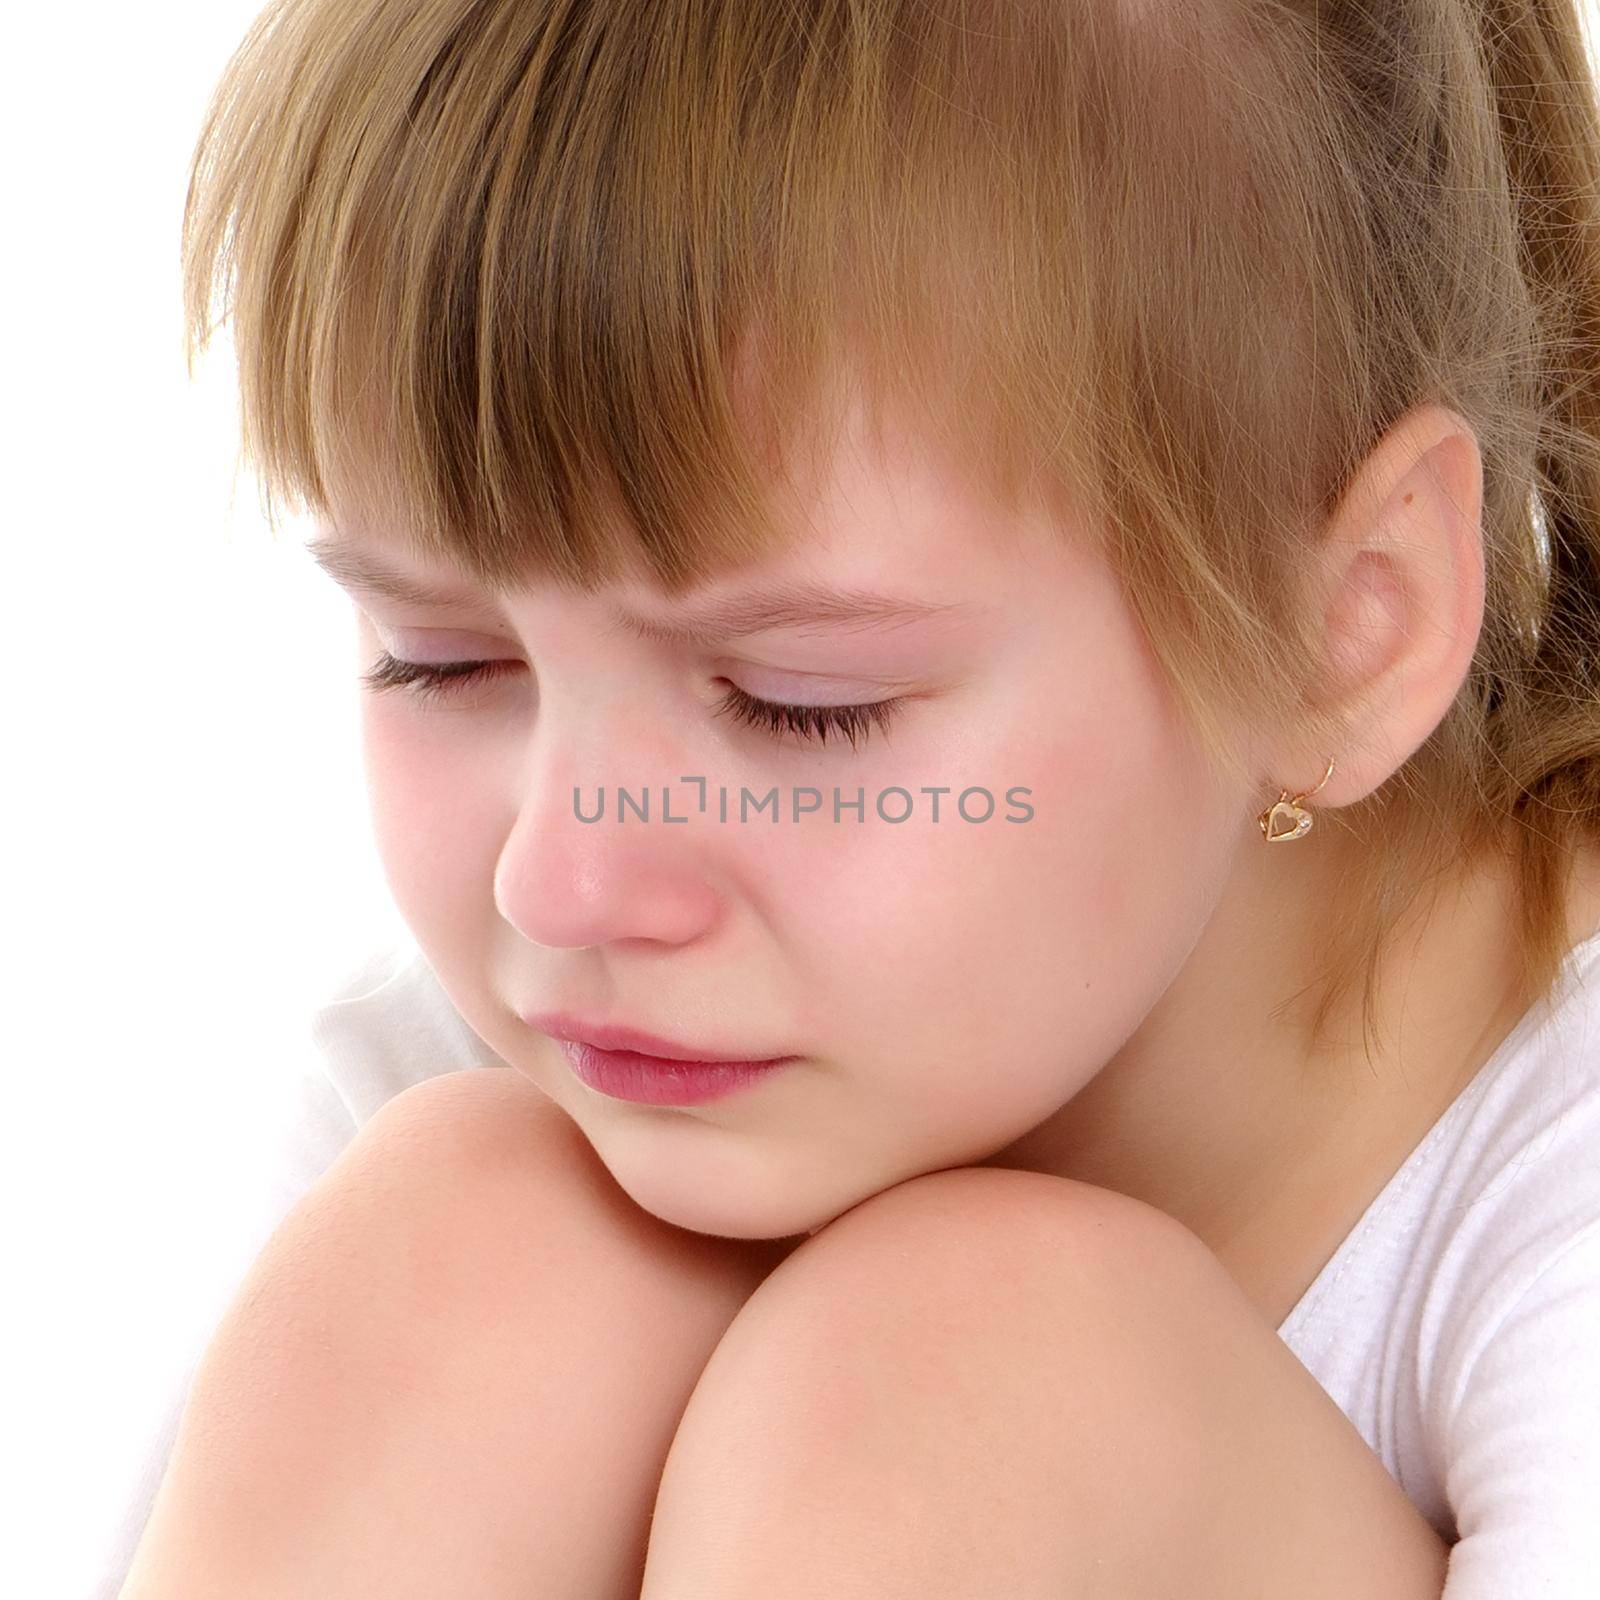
(577, 286)
(585, 286)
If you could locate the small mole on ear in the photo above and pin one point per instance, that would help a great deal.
(1408, 499)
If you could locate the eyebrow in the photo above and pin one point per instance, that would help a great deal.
(790, 603)
(355, 569)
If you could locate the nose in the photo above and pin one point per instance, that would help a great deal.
(565, 882)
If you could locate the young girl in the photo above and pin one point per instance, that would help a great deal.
(980, 627)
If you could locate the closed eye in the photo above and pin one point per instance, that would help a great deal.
(809, 722)
(436, 682)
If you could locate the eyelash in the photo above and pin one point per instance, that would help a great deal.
(428, 682)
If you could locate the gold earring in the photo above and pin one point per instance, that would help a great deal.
(1283, 820)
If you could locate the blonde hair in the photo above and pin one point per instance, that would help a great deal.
(1178, 266)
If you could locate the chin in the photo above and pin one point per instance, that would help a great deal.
(727, 1222)
(730, 1210)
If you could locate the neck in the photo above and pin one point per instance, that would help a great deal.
(1218, 1112)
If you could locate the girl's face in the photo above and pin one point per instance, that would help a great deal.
(947, 980)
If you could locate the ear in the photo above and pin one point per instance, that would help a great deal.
(1399, 582)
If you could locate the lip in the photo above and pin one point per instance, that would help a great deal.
(629, 1064)
(614, 1036)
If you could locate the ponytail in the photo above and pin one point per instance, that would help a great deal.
(1549, 715)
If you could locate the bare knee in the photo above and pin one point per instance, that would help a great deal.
(465, 1336)
(468, 1186)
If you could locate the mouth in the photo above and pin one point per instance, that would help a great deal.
(563, 1026)
(629, 1064)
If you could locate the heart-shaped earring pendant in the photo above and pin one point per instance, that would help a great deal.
(1284, 820)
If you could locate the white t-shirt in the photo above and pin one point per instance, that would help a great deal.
(1457, 1325)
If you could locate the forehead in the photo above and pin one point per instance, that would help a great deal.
(885, 504)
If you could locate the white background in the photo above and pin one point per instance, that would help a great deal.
(187, 852)
(188, 865)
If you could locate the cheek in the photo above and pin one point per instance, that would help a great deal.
(1016, 958)
(437, 835)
